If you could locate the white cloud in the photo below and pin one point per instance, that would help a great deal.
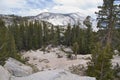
(12, 3)
(22, 7)
(32, 12)
(79, 3)
(71, 9)
(65, 9)
(87, 7)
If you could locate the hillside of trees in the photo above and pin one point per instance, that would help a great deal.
(34, 35)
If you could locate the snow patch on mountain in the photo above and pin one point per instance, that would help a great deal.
(64, 19)
(53, 18)
(60, 19)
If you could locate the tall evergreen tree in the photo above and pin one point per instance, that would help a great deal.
(89, 35)
(100, 65)
(75, 48)
(57, 36)
(7, 44)
(68, 36)
(52, 35)
(45, 33)
(109, 17)
(11, 47)
(82, 42)
(40, 35)
(3, 43)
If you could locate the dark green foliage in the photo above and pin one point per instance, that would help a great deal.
(116, 39)
(84, 38)
(100, 65)
(52, 35)
(58, 38)
(89, 35)
(68, 36)
(3, 44)
(7, 44)
(34, 35)
(27, 35)
(69, 55)
(75, 48)
(109, 18)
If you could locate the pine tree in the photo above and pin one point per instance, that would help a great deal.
(67, 37)
(35, 35)
(7, 44)
(45, 34)
(82, 42)
(75, 48)
(57, 36)
(11, 47)
(100, 65)
(40, 35)
(89, 35)
(30, 36)
(3, 43)
(108, 17)
(52, 35)
(19, 36)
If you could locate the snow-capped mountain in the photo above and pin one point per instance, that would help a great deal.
(61, 19)
(10, 19)
(64, 19)
(54, 18)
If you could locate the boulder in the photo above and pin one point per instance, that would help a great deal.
(4, 74)
(77, 69)
(53, 75)
(118, 74)
(59, 56)
(17, 68)
(116, 60)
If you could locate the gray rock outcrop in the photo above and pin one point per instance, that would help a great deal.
(17, 68)
(4, 74)
(118, 74)
(53, 75)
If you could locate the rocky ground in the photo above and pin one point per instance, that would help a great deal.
(51, 65)
(50, 60)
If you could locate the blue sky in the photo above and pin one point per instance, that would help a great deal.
(34, 7)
